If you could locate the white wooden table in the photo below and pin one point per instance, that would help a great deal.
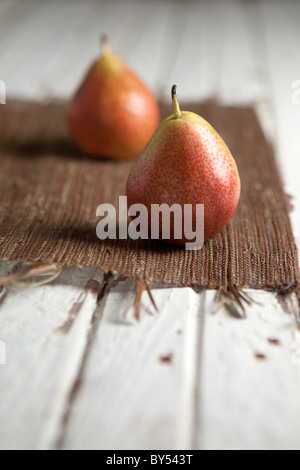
(103, 384)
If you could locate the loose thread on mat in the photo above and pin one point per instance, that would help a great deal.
(35, 270)
(233, 298)
(141, 286)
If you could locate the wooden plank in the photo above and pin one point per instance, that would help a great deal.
(42, 364)
(65, 44)
(174, 28)
(187, 423)
(77, 327)
(250, 382)
(187, 53)
(134, 391)
(238, 81)
(140, 46)
(83, 45)
(18, 33)
(52, 30)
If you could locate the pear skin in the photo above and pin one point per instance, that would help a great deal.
(113, 114)
(187, 162)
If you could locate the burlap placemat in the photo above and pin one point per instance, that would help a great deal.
(49, 193)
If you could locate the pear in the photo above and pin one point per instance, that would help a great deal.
(113, 114)
(187, 162)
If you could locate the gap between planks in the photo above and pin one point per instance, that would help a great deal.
(190, 405)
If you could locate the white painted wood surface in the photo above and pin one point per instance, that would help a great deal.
(183, 378)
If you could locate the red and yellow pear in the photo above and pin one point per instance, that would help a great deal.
(187, 162)
(113, 114)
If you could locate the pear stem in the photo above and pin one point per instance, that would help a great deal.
(177, 112)
(105, 46)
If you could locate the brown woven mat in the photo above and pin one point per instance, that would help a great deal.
(49, 193)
